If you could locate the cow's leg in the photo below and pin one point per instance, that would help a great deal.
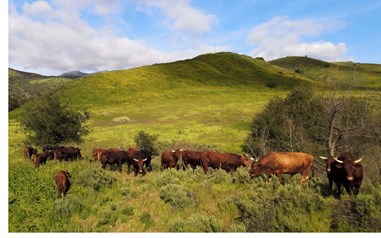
(330, 182)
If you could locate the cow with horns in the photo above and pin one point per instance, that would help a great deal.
(344, 170)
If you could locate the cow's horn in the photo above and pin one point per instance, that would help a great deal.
(357, 161)
(173, 151)
(136, 160)
(145, 159)
(339, 161)
(251, 158)
(322, 157)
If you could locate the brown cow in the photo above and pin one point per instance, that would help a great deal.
(62, 182)
(279, 163)
(169, 159)
(345, 170)
(113, 156)
(228, 162)
(42, 157)
(28, 152)
(192, 157)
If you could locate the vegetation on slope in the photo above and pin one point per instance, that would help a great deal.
(204, 103)
(357, 75)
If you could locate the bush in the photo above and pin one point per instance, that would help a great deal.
(178, 197)
(96, 179)
(146, 142)
(358, 213)
(128, 193)
(219, 176)
(196, 223)
(64, 208)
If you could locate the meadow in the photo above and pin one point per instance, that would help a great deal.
(204, 103)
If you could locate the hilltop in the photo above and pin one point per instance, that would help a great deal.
(358, 75)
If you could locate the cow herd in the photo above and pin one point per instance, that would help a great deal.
(344, 170)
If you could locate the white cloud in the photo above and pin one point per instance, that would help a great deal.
(64, 41)
(181, 15)
(281, 37)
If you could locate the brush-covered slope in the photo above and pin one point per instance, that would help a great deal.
(357, 74)
(24, 86)
(210, 71)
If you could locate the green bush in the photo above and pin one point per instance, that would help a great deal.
(196, 223)
(359, 213)
(64, 208)
(95, 179)
(128, 193)
(219, 176)
(178, 197)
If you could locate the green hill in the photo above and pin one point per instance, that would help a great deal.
(25, 86)
(207, 102)
(358, 75)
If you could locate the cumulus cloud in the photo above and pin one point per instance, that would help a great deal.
(64, 41)
(281, 37)
(181, 15)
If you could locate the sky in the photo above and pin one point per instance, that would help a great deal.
(51, 37)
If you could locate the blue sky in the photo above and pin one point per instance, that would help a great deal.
(55, 36)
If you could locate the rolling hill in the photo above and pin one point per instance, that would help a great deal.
(207, 102)
(358, 75)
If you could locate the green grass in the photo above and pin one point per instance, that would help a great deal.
(206, 102)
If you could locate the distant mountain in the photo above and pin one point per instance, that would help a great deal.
(73, 74)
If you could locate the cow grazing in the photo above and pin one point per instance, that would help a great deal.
(169, 159)
(228, 162)
(42, 157)
(192, 158)
(29, 151)
(62, 182)
(279, 163)
(113, 156)
(345, 170)
(67, 153)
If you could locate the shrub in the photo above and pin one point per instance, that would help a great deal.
(96, 179)
(219, 176)
(178, 197)
(128, 193)
(196, 223)
(146, 142)
(66, 207)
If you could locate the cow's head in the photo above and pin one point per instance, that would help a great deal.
(97, 154)
(139, 163)
(349, 165)
(256, 169)
(246, 159)
(329, 160)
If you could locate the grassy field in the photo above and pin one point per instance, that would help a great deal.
(206, 102)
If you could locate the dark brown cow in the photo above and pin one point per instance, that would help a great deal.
(169, 159)
(29, 151)
(41, 158)
(67, 153)
(228, 162)
(345, 170)
(113, 156)
(192, 158)
(62, 182)
(279, 163)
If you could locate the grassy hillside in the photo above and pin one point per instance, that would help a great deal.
(24, 86)
(201, 103)
(358, 75)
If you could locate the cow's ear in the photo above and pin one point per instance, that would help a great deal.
(339, 166)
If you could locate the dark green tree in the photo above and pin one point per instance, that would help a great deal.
(49, 122)
(146, 142)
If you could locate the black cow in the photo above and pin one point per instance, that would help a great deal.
(344, 170)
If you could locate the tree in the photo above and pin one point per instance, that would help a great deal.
(48, 122)
(146, 142)
(305, 122)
